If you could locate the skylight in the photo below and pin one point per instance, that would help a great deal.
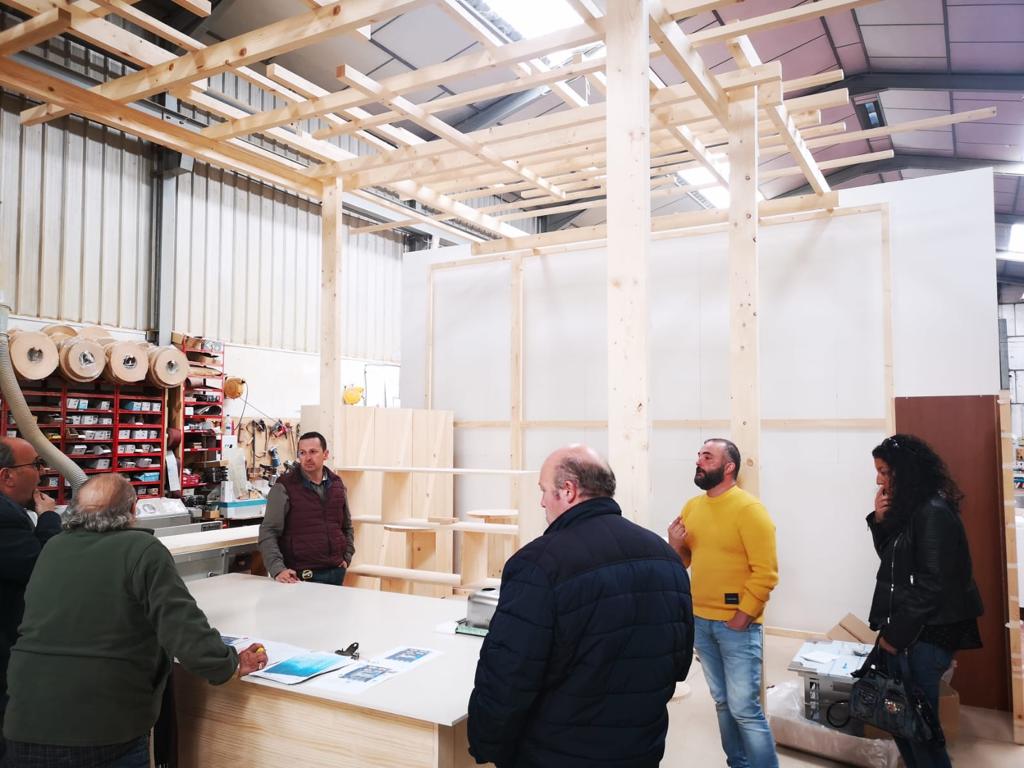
(533, 18)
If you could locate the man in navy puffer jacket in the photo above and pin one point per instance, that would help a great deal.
(593, 628)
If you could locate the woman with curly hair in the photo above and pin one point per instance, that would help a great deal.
(926, 604)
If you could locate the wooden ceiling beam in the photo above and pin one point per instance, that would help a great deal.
(265, 42)
(592, 113)
(440, 128)
(198, 7)
(38, 85)
(678, 49)
(587, 149)
(34, 31)
(469, 97)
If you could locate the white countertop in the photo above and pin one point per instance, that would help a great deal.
(201, 541)
(323, 618)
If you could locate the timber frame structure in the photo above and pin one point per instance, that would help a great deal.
(620, 153)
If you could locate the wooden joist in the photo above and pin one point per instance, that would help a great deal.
(34, 31)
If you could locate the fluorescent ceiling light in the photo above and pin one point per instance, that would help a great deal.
(533, 18)
(701, 178)
(1016, 243)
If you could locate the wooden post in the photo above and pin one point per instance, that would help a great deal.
(744, 363)
(330, 314)
(629, 232)
(516, 416)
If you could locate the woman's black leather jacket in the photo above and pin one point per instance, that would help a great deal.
(924, 577)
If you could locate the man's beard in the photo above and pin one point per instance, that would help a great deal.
(708, 479)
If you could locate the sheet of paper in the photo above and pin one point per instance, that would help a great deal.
(300, 668)
(275, 651)
(818, 657)
(405, 657)
(355, 679)
(845, 666)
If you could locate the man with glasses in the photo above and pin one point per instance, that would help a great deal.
(21, 540)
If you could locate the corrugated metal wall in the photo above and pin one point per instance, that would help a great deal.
(75, 220)
(247, 269)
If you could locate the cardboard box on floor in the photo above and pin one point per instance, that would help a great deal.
(852, 629)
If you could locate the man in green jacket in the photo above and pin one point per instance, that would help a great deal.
(106, 613)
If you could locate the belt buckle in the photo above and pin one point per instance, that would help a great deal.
(306, 575)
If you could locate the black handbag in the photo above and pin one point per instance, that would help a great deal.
(890, 702)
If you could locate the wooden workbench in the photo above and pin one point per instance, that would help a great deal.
(417, 718)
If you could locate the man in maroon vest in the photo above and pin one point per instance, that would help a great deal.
(306, 534)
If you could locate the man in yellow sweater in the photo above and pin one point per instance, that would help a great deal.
(727, 539)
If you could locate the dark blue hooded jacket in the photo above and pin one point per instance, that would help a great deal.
(593, 628)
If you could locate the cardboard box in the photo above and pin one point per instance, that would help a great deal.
(949, 716)
(853, 630)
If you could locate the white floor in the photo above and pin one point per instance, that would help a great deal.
(985, 740)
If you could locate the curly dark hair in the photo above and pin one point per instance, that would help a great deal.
(918, 474)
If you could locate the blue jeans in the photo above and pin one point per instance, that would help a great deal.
(923, 665)
(732, 667)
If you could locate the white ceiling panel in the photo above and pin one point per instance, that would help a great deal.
(1004, 183)
(935, 141)
(590, 217)
(775, 42)
(424, 35)
(698, 22)
(906, 41)
(457, 115)
(319, 63)
(989, 133)
(897, 99)
(897, 116)
(989, 97)
(481, 79)
(919, 173)
(990, 152)
(986, 23)
(809, 59)
(843, 29)
(901, 12)
(852, 59)
(778, 187)
(663, 68)
(903, 64)
(534, 109)
(860, 181)
(1004, 202)
(987, 57)
(395, 67)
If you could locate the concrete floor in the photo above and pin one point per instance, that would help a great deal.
(985, 736)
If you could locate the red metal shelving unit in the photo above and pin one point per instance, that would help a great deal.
(57, 405)
(202, 430)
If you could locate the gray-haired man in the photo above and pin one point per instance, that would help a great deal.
(105, 615)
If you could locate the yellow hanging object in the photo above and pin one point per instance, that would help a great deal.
(352, 395)
(234, 387)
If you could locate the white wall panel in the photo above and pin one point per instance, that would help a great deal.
(247, 269)
(75, 213)
(822, 357)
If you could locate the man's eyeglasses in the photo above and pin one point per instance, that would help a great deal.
(37, 462)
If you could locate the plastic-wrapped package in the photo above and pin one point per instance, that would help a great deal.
(792, 729)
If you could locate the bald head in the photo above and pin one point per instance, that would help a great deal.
(572, 475)
(104, 503)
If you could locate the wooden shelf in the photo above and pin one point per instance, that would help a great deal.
(439, 470)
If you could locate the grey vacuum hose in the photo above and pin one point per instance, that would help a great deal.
(24, 418)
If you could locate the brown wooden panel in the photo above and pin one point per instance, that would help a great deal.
(965, 432)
